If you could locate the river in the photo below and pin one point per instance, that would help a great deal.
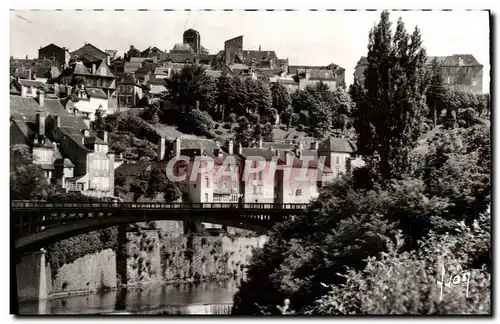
(187, 298)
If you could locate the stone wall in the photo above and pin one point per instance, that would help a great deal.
(92, 272)
(153, 257)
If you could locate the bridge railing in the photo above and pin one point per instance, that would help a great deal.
(151, 206)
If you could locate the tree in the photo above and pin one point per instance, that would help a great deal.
(139, 186)
(198, 122)
(192, 85)
(243, 131)
(150, 113)
(389, 285)
(28, 182)
(287, 116)
(171, 192)
(281, 97)
(156, 182)
(268, 132)
(388, 121)
(320, 118)
(224, 92)
(100, 121)
(436, 93)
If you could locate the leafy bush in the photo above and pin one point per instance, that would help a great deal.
(198, 122)
(406, 283)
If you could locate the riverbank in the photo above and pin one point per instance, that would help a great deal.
(145, 257)
(171, 299)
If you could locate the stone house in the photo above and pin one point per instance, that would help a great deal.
(459, 71)
(71, 155)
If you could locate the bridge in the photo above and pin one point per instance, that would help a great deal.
(35, 224)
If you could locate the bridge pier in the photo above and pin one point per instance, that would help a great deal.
(32, 276)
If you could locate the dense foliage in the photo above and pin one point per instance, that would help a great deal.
(323, 110)
(389, 116)
(374, 242)
(192, 85)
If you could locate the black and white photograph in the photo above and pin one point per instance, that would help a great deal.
(250, 162)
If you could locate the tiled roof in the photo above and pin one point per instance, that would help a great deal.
(75, 136)
(96, 93)
(321, 75)
(181, 57)
(257, 56)
(248, 153)
(89, 50)
(277, 146)
(213, 73)
(341, 145)
(94, 140)
(301, 162)
(79, 68)
(454, 60)
(157, 82)
(131, 67)
(161, 71)
(23, 109)
(31, 83)
(182, 47)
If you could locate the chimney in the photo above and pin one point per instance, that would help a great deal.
(288, 158)
(230, 147)
(161, 149)
(314, 146)
(27, 56)
(56, 89)
(298, 150)
(105, 137)
(57, 121)
(93, 68)
(40, 124)
(108, 60)
(260, 142)
(132, 47)
(177, 147)
(54, 146)
(41, 98)
(29, 70)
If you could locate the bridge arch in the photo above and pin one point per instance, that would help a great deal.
(258, 218)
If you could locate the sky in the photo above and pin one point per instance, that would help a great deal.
(304, 37)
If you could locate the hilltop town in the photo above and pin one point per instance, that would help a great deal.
(57, 97)
(311, 195)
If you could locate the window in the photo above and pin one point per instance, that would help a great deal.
(207, 182)
(224, 184)
(474, 83)
(254, 189)
(28, 90)
(206, 197)
(298, 192)
(129, 99)
(103, 70)
(338, 160)
(448, 80)
(79, 186)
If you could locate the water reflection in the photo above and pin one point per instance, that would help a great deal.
(137, 300)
